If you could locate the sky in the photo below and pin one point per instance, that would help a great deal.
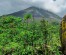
(55, 6)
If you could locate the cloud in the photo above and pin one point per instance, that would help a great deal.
(9, 6)
(54, 6)
(5, 6)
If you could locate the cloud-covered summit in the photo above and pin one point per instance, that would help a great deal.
(9, 6)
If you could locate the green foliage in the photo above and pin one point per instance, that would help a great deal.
(18, 37)
(27, 16)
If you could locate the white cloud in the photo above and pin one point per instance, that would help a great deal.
(57, 6)
(15, 5)
(54, 6)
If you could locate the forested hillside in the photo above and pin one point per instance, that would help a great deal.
(25, 36)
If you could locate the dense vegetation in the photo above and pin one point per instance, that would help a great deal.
(25, 36)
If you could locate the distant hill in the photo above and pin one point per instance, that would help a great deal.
(37, 13)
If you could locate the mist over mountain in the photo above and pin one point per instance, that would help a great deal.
(37, 13)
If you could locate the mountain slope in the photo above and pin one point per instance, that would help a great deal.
(37, 13)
